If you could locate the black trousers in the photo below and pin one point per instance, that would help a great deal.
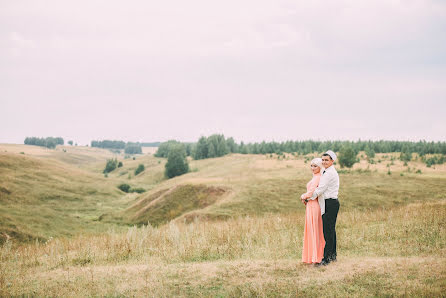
(329, 224)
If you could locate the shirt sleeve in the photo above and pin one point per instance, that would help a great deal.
(323, 185)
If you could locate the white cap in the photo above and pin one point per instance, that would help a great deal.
(332, 155)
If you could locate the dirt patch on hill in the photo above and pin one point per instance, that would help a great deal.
(168, 204)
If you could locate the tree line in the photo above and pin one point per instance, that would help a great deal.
(108, 144)
(217, 145)
(152, 144)
(129, 147)
(49, 142)
(310, 146)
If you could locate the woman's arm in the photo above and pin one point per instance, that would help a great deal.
(311, 188)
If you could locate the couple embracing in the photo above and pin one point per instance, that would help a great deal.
(322, 206)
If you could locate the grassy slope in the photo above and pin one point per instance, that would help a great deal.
(46, 193)
(42, 198)
(258, 185)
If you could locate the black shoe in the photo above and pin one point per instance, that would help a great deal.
(322, 263)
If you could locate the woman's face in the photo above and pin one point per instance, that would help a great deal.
(315, 169)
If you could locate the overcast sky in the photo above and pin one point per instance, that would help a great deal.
(252, 69)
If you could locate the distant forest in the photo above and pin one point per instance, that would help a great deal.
(129, 147)
(217, 145)
(153, 144)
(121, 144)
(49, 142)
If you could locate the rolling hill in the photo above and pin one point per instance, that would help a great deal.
(47, 193)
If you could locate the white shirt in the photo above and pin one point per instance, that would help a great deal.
(328, 187)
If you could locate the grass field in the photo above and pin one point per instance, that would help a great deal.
(232, 227)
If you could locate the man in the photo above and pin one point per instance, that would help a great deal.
(328, 190)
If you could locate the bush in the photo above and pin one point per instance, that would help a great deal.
(110, 165)
(406, 154)
(138, 190)
(120, 164)
(124, 187)
(435, 160)
(347, 156)
(176, 162)
(127, 188)
(139, 169)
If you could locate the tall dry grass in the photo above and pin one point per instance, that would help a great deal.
(413, 231)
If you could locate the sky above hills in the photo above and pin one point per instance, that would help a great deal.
(253, 70)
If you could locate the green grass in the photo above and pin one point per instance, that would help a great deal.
(46, 198)
(276, 187)
(48, 193)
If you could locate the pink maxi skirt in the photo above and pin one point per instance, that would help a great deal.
(314, 242)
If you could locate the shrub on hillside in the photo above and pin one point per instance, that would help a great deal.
(127, 188)
(124, 187)
(138, 190)
(347, 156)
(176, 162)
(139, 169)
(120, 164)
(110, 165)
(435, 160)
(406, 154)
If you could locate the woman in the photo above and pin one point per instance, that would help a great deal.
(314, 242)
